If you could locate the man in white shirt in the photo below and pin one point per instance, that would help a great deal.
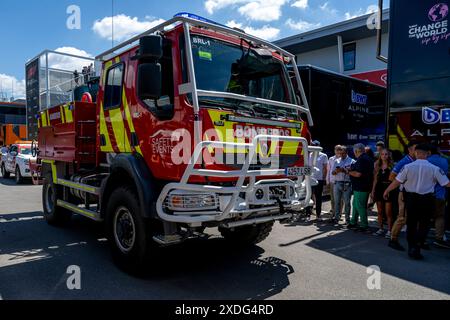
(419, 180)
(320, 175)
(343, 186)
(331, 180)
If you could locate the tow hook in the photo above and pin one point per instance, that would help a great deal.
(282, 211)
(280, 203)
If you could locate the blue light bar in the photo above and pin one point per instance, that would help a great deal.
(197, 17)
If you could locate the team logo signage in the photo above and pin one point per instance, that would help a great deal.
(431, 116)
(436, 29)
(360, 99)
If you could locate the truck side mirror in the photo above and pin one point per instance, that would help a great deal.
(149, 82)
(151, 47)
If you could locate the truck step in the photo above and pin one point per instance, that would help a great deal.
(78, 210)
(168, 240)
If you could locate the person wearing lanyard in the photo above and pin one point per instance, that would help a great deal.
(331, 179)
(419, 179)
(400, 222)
(343, 186)
(320, 176)
(441, 199)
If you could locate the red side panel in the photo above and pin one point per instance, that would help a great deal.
(68, 134)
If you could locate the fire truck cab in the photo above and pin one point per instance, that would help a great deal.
(194, 126)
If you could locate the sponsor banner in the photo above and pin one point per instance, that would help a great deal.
(33, 104)
(435, 30)
(378, 77)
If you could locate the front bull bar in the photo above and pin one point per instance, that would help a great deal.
(196, 218)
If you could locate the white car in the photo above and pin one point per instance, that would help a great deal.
(17, 161)
(3, 153)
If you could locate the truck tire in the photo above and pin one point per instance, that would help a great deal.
(5, 174)
(54, 215)
(247, 235)
(19, 178)
(128, 232)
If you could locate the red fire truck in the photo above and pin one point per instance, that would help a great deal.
(194, 126)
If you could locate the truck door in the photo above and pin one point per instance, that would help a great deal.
(114, 136)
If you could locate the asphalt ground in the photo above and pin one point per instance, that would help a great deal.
(300, 260)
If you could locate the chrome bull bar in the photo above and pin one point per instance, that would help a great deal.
(229, 211)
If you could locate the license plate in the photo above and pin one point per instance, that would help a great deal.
(298, 171)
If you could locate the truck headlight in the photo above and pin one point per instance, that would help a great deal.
(192, 202)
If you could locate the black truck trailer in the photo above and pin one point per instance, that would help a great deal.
(345, 110)
(419, 73)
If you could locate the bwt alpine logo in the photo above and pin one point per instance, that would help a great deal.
(431, 116)
(359, 98)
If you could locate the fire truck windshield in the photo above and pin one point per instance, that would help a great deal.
(224, 67)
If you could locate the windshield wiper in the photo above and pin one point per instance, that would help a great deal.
(237, 107)
(217, 103)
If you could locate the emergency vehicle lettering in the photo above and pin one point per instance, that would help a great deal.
(243, 132)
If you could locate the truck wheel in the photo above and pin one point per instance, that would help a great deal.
(19, 178)
(128, 232)
(53, 214)
(5, 174)
(248, 235)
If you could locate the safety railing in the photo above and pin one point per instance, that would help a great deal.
(242, 175)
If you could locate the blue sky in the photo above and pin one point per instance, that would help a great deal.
(29, 26)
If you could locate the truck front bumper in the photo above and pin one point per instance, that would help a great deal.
(242, 204)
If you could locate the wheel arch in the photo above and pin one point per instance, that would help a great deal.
(128, 169)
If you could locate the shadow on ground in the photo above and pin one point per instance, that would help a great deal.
(11, 182)
(34, 258)
(368, 250)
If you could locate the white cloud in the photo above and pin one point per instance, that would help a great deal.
(263, 10)
(11, 87)
(62, 62)
(302, 25)
(328, 9)
(125, 27)
(257, 10)
(302, 4)
(370, 9)
(212, 6)
(266, 32)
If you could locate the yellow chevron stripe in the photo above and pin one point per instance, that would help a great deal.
(44, 119)
(61, 111)
(68, 114)
(116, 118)
(402, 135)
(291, 148)
(54, 170)
(104, 131)
(129, 118)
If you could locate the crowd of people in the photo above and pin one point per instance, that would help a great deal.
(411, 192)
(86, 73)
